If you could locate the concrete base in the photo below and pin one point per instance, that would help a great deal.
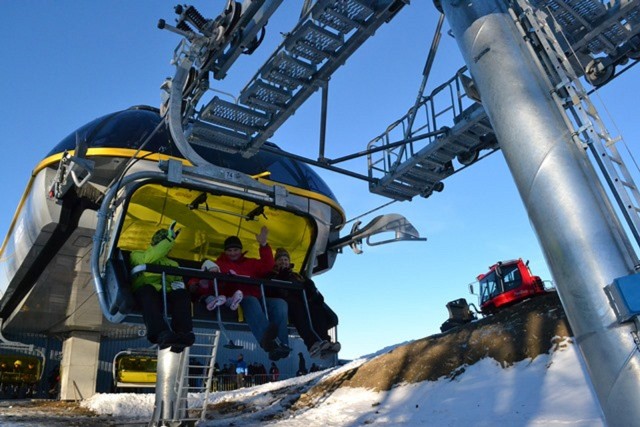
(79, 366)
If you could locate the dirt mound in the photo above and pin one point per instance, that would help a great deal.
(522, 331)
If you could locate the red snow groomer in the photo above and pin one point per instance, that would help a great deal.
(506, 283)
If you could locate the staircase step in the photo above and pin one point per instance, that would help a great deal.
(343, 16)
(265, 96)
(313, 42)
(223, 139)
(425, 174)
(288, 71)
(395, 190)
(234, 116)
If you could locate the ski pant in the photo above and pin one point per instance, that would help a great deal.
(178, 307)
(309, 332)
(258, 322)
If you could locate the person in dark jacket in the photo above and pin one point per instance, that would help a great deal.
(148, 292)
(53, 381)
(314, 333)
(302, 365)
(241, 370)
(274, 372)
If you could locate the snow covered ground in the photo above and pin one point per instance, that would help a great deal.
(551, 390)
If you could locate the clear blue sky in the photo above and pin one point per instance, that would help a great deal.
(65, 63)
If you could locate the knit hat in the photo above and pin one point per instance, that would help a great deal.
(280, 252)
(232, 242)
(159, 236)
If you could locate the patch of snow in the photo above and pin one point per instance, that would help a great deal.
(550, 390)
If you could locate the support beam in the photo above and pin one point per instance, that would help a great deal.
(582, 239)
(169, 408)
(79, 366)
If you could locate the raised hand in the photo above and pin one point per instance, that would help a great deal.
(173, 233)
(262, 237)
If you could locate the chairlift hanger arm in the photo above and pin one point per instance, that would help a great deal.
(398, 224)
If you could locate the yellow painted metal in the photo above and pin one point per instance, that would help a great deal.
(136, 369)
(203, 230)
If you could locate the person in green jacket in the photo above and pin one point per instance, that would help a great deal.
(147, 291)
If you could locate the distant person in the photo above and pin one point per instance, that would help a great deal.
(4, 373)
(147, 290)
(217, 377)
(30, 378)
(314, 368)
(274, 372)
(302, 365)
(4, 368)
(315, 333)
(251, 374)
(241, 370)
(53, 381)
(261, 373)
(31, 372)
(272, 334)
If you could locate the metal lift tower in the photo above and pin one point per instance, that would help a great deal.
(582, 239)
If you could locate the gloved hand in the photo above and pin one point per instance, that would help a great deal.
(173, 233)
(177, 285)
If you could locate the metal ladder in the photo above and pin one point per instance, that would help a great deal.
(600, 34)
(324, 38)
(580, 114)
(187, 410)
(200, 382)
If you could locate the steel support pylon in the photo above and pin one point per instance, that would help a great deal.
(584, 243)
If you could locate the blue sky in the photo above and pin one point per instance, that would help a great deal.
(65, 63)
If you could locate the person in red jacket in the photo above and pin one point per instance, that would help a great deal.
(271, 333)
